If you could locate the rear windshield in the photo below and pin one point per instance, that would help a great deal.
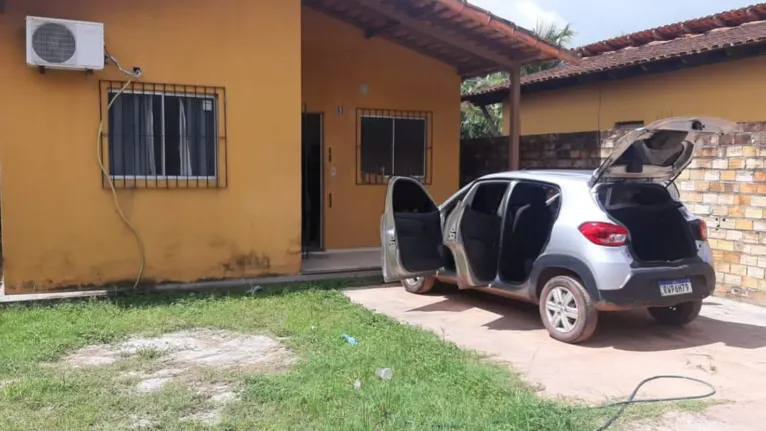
(633, 194)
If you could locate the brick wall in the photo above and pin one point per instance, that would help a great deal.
(726, 184)
(560, 151)
(480, 157)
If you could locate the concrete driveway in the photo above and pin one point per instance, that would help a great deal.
(726, 346)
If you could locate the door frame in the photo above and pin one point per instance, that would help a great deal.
(321, 181)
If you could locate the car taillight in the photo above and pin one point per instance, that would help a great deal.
(703, 229)
(606, 234)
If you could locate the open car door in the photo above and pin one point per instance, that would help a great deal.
(660, 151)
(410, 231)
(473, 232)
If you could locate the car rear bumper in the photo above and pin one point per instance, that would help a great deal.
(642, 287)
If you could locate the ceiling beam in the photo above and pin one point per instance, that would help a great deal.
(424, 28)
(369, 34)
(340, 17)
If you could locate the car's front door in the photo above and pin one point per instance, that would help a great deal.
(472, 233)
(410, 231)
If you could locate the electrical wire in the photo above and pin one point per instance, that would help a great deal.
(99, 157)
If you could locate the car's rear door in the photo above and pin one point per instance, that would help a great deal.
(473, 231)
(660, 151)
(410, 231)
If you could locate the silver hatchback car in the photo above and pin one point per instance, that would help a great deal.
(574, 242)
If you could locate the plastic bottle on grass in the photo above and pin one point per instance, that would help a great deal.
(349, 339)
(384, 373)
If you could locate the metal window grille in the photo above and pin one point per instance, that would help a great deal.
(393, 143)
(164, 135)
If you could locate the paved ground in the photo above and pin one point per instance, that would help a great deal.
(726, 346)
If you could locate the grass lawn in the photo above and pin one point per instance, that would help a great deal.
(435, 384)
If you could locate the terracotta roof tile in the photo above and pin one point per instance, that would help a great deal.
(737, 27)
(685, 45)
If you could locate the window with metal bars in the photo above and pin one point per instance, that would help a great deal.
(162, 135)
(393, 143)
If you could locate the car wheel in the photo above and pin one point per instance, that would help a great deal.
(677, 315)
(567, 310)
(418, 285)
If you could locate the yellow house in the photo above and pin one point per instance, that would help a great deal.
(204, 140)
(711, 66)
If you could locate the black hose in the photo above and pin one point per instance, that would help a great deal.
(632, 397)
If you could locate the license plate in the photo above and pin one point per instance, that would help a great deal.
(675, 287)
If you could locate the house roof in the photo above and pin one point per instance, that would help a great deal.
(455, 32)
(721, 31)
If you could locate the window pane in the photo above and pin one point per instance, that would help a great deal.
(410, 147)
(172, 116)
(190, 127)
(377, 136)
(132, 135)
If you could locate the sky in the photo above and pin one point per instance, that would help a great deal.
(594, 20)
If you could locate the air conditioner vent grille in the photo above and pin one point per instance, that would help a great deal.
(54, 43)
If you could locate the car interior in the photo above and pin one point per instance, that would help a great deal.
(527, 226)
(658, 230)
(481, 227)
(503, 235)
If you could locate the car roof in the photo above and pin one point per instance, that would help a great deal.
(547, 175)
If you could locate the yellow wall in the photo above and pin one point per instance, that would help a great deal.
(59, 225)
(337, 59)
(730, 90)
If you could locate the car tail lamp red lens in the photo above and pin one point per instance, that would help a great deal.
(703, 229)
(606, 234)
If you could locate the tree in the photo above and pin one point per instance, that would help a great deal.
(474, 124)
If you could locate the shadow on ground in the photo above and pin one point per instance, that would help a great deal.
(630, 331)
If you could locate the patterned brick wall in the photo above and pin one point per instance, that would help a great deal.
(726, 184)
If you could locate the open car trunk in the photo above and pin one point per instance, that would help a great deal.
(659, 232)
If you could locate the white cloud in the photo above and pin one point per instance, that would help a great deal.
(525, 13)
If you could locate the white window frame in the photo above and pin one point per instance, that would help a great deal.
(393, 141)
(164, 177)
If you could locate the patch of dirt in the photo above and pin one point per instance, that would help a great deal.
(4, 383)
(218, 395)
(200, 347)
(181, 355)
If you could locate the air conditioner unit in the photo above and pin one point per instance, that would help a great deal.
(65, 44)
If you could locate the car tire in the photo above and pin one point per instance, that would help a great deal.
(566, 294)
(419, 285)
(677, 315)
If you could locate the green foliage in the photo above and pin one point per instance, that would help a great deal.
(474, 123)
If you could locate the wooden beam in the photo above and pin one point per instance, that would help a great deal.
(515, 133)
(340, 17)
(424, 28)
(370, 33)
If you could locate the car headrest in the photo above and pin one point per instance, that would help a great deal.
(537, 196)
(531, 195)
